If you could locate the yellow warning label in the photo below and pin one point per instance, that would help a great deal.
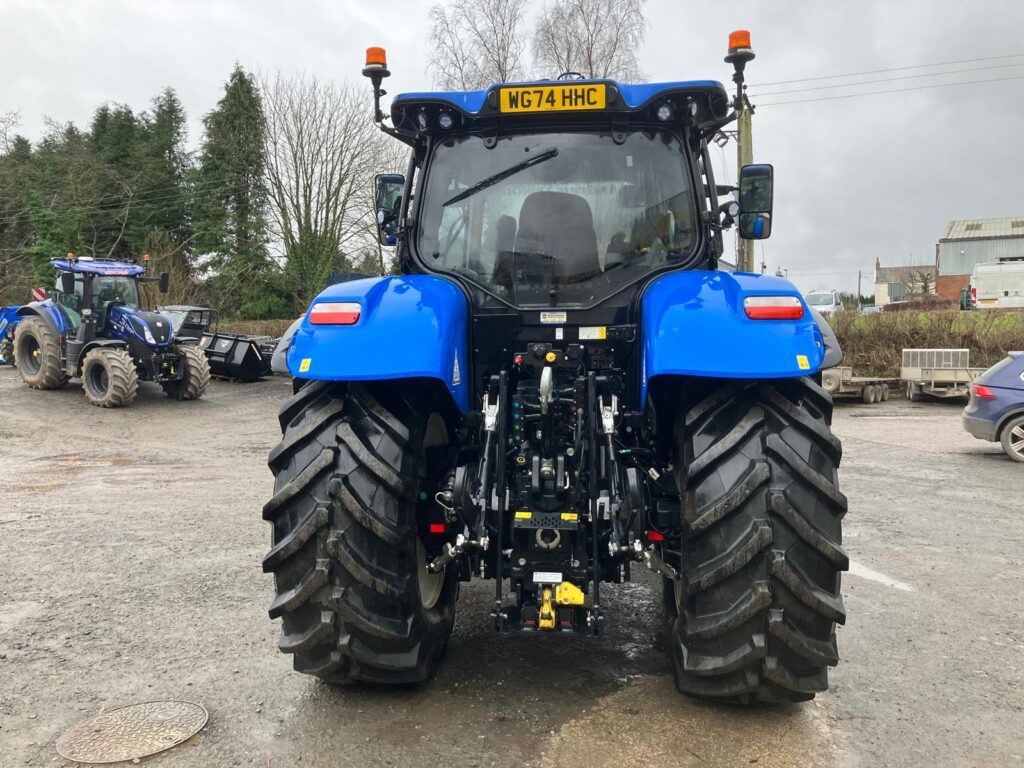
(801, 360)
(304, 365)
(524, 515)
(570, 516)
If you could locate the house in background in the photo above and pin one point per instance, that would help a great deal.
(899, 283)
(968, 242)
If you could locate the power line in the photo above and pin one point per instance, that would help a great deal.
(890, 69)
(893, 90)
(888, 79)
(167, 202)
(199, 188)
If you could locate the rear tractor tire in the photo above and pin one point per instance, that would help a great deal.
(37, 354)
(195, 374)
(109, 377)
(752, 617)
(352, 590)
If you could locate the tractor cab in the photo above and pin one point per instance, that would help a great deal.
(557, 193)
(111, 283)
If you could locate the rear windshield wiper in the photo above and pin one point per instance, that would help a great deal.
(490, 181)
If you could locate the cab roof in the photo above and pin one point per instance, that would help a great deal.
(470, 107)
(99, 267)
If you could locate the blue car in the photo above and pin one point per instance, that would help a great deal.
(996, 408)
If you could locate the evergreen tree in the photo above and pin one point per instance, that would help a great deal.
(230, 211)
(160, 177)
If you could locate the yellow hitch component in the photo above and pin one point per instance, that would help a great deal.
(546, 614)
(568, 594)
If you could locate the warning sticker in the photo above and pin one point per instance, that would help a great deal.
(801, 361)
(553, 318)
(304, 365)
(547, 577)
(593, 334)
(456, 376)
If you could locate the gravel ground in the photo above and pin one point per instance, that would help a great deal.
(130, 547)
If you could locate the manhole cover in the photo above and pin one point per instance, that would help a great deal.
(130, 732)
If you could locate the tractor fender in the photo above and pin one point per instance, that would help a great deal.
(51, 315)
(409, 326)
(101, 343)
(693, 324)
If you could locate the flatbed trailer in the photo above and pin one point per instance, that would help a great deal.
(841, 382)
(940, 373)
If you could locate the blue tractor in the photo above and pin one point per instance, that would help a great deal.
(92, 326)
(561, 387)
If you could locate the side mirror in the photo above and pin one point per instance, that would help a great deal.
(164, 283)
(67, 282)
(756, 182)
(388, 204)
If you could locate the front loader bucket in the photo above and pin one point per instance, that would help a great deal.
(232, 356)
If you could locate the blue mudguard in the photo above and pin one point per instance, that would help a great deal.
(693, 324)
(51, 313)
(410, 326)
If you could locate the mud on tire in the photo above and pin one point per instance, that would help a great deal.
(109, 377)
(37, 354)
(349, 590)
(195, 375)
(753, 616)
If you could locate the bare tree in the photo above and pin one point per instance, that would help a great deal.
(9, 121)
(322, 152)
(476, 43)
(921, 282)
(597, 38)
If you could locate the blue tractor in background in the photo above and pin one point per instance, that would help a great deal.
(560, 387)
(92, 326)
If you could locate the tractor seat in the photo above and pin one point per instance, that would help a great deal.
(556, 237)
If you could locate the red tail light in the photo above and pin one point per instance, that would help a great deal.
(335, 313)
(980, 390)
(655, 536)
(773, 307)
(437, 528)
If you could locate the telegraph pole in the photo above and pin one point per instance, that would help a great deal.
(858, 290)
(740, 53)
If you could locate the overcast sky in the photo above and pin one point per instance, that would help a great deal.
(856, 179)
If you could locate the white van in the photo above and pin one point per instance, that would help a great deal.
(825, 302)
(998, 285)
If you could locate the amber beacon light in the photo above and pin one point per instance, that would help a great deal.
(739, 40)
(376, 62)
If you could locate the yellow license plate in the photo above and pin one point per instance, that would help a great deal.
(553, 98)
